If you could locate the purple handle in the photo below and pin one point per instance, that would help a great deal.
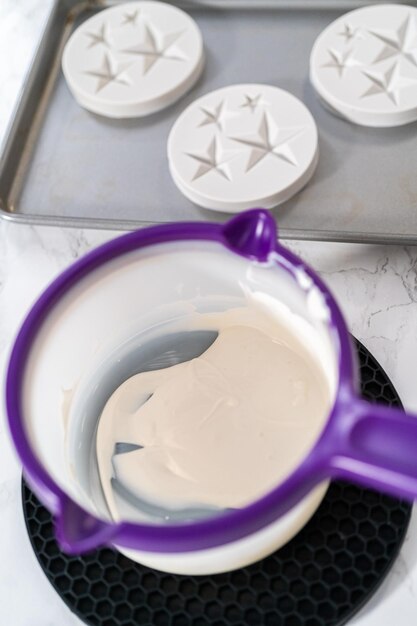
(377, 447)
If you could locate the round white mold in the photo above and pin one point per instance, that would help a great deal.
(243, 146)
(133, 59)
(364, 65)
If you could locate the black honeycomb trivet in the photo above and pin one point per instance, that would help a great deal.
(321, 578)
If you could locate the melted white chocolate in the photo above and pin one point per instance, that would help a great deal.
(222, 429)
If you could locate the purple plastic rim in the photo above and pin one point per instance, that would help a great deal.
(253, 235)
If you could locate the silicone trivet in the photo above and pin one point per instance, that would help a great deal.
(321, 578)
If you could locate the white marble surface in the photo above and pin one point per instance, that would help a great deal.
(376, 287)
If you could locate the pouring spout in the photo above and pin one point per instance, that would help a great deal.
(252, 234)
(78, 531)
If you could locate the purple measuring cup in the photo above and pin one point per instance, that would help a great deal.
(368, 444)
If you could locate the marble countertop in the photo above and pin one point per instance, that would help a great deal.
(376, 287)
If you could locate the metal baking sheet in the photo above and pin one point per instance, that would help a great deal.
(63, 165)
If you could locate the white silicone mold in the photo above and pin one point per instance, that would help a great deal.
(133, 59)
(364, 65)
(243, 146)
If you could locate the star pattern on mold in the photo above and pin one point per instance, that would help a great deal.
(217, 115)
(131, 18)
(400, 43)
(349, 32)
(270, 140)
(340, 61)
(253, 102)
(101, 36)
(213, 159)
(157, 46)
(388, 83)
(110, 71)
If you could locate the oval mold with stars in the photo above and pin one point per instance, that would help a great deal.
(363, 66)
(133, 59)
(243, 146)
